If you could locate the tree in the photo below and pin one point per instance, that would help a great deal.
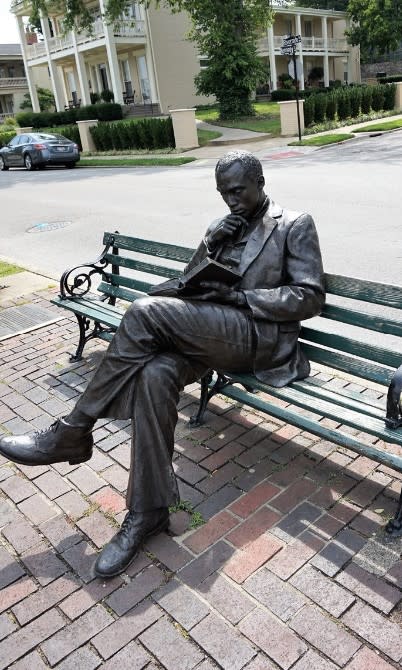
(377, 25)
(225, 32)
(45, 98)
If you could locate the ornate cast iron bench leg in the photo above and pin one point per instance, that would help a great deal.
(394, 527)
(207, 392)
(83, 324)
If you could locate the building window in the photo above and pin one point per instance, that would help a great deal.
(204, 63)
(308, 29)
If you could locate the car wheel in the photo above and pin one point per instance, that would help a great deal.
(3, 165)
(28, 162)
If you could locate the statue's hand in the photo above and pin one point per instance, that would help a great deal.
(227, 227)
(217, 292)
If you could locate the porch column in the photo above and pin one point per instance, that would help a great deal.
(31, 86)
(326, 60)
(150, 61)
(300, 52)
(82, 74)
(115, 79)
(54, 76)
(271, 52)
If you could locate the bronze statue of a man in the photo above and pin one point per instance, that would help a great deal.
(164, 343)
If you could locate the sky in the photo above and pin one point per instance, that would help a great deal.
(8, 25)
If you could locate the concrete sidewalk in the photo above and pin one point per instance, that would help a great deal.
(291, 568)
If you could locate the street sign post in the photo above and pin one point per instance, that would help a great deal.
(288, 48)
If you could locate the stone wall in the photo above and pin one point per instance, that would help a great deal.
(369, 70)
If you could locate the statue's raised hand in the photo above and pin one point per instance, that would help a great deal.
(227, 227)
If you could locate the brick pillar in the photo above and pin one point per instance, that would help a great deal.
(288, 114)
(184, 128)
(87, 142)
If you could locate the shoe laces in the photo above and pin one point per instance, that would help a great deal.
(53, 427)
(127, 526)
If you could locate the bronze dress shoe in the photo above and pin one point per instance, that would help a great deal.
(61, 442)
(117, 554)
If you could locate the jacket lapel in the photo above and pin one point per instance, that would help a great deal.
(256, 242)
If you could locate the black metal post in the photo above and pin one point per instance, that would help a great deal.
(297, 90)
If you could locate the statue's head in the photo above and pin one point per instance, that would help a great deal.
(240, 181)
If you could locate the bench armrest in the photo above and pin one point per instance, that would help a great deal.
(77, 282)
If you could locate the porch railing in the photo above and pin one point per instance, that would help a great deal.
(308, 43)
(13, 82)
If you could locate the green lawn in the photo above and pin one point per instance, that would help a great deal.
(205, 136)
(322, 140)
(133, 162)
(9, 269)
(266, 119)
(386, 125)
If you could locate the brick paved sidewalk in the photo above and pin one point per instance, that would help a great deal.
(291, 569)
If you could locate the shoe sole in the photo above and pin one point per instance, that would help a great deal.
(162, 526)
(72, 461)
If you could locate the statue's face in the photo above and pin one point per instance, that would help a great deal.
(242, 193)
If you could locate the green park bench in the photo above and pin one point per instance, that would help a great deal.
(129, 266)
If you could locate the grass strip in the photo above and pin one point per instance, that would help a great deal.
(205, 136)
(134, 162)
(266, 119)
(9, 269)
(322, 140)
(386, 125)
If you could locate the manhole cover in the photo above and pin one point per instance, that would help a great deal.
(47, 226)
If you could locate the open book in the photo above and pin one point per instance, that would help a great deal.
(210, 270)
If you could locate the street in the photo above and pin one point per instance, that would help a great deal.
(350, 189)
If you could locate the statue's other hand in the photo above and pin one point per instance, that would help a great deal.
(217, 292)
(226, 227)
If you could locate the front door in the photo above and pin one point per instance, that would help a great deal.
(103, 76)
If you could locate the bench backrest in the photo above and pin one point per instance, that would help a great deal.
(137, 264)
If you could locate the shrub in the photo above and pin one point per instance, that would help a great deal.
(107, 95)
(389, 96)
(355, 95)
(141, 134)
(283, 94)
(343, 100)
(10, 122)
(366, 99)
(95, 97)
(6, 137)
(320, 107)
(309, 104)
(390, 79)
(378, 96)
(24, 119)
(332, 106)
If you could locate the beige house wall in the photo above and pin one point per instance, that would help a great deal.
(176, 60)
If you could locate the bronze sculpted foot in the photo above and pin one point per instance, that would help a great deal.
(117, 554)
(61, 442)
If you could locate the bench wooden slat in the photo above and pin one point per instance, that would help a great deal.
(94, 312)
(118, 292)
(132, 264)
(346, 392)
(336, 436)
(150, 247)
(362, 289)
(368, 321)
(350, 417)
(128, 282)
(363, 350)
(351, 402)
(363, 369)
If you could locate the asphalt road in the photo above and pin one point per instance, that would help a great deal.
(352, 190)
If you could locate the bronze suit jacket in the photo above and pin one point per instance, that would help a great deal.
(283, 282)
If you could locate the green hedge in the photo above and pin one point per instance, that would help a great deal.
(6, 137)
(347, 102)
(107, 111)
(141, 134)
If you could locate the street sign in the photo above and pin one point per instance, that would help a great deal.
(291, 40)
(287, 51)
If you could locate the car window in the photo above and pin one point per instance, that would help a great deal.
(15, 141)
(23, 139)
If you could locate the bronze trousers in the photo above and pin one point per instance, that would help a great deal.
(161, 345)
